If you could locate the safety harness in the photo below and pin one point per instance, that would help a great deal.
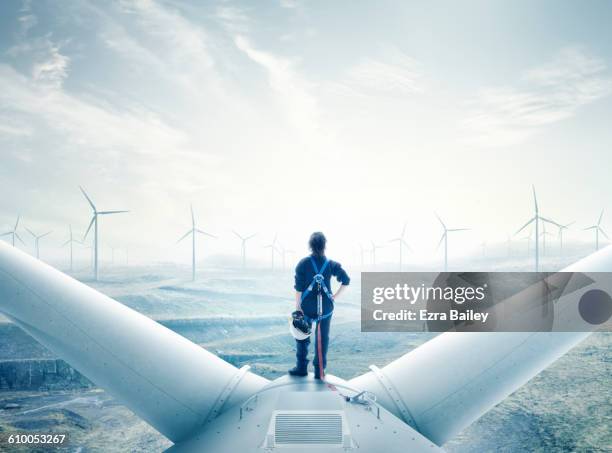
(319, 281)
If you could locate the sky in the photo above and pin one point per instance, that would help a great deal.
(286, 117)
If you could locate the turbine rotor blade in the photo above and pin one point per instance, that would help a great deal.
(603, 232)
(550, 221)
(600, 216)
(18, 237)
(46, 234)
(441, 239)
(206, 234)
(440, 220)
(192, 215)
(535, 199)
(89, 227)
(88, 199)
(590, 228)
(16, 223)
(184, 236)
(111, 212)
(458, 229)
(6, 234)
(30, 231)
(250, 237)
(238, 236)
(524, 226)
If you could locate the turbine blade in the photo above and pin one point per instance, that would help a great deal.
(89, 227)
(206, 234)
(19, 237)
(524, 226)
(184, 236)
(16, 223)
(66, 243)
(30, 231)
(250, 237)
(441, 239)
(440, 220)
(46, 234)
(459, 229)
(192, 216)
(88, 199)
(111, 212)
(600, 216)
(404, 230)
(239, 237)
(550, 221)
(395, 240)
(535, 199)
(590, 228)
(6, 234)
(603, 232)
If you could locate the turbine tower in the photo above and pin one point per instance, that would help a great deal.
(13, 233)
(598, 229)
(445, 239)
(561, 228)
(70, 241)
(536, 219)
(284, 252)
(94, 220)
(402, 243)
(374, 247)
(193, 232)
(243, 240)
(544, 234)
(273, 248)
(36, 240)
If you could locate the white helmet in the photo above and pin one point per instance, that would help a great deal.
(297, 333)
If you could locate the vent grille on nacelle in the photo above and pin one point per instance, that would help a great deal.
(310, 428)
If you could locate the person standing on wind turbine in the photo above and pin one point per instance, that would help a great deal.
(314, 302)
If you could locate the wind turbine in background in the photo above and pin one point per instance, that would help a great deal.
(361, 254)
(284, 252)
(94, 220)
(536, 219)
(544, 234)
(243, 240)
(193, 232)
(273, 248)
(598, 229)
(373, 251)
(445, 239)
(560, 234)
(70, 241)
(37, 239)
(13, 233)
(402, 243)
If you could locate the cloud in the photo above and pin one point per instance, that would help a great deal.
(293, 92)
(549, 93)
(395, 74)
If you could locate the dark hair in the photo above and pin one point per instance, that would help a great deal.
(317, 243)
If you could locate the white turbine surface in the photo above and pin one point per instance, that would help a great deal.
(446, 384)
(598, 229)
(94, 221)
(172, 383)
(445, 239)
(193, 232)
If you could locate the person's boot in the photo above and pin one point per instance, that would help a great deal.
(297, 371)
